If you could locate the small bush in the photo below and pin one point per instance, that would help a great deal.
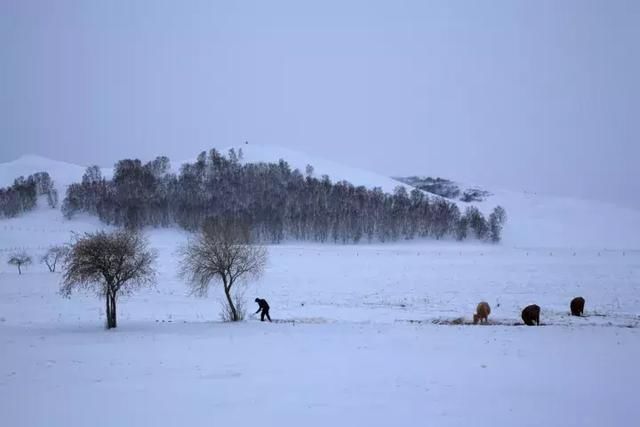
(227, 314)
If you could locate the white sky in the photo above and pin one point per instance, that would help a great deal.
(540, 95)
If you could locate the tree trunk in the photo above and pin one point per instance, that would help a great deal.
(111, 310)
(227, 292)
(19, 270)
(108, 309)
(114, 321)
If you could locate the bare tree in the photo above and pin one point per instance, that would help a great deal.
(111, 264)
(238, 309)
(221, 252)
(19, 259)
(52, 198)
(496, 221)
(309, 171)
(53, 255)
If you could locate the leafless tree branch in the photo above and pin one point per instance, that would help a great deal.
(221, 253)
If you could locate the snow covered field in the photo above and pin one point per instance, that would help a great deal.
(405, 282)
(317, 374)
(353, 342)
(363, 334)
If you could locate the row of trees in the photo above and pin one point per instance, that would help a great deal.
(273, 200)
(22, 196)
(119, 263)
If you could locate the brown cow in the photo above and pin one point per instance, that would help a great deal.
(531, 315)
(482, 313)
(577, 306)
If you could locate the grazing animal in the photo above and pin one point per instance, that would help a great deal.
(531, 315)
(482, 313)
(577, 306)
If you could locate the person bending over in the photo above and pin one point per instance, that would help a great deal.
(263, 307)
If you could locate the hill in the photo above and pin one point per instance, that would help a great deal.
(534, 220)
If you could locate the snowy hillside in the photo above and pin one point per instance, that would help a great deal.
(562, 222)
(66, 173)
(533, 220)
(62, 173)
(335, 171)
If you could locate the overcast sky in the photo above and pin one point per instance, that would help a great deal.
(537, 95)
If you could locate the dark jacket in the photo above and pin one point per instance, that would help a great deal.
(263, 304)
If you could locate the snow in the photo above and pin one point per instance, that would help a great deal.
(534, 220)
(317, 375)
(363, 334)
(63, 174)
(421, 281)
(37, 230)
(254, 153)
(353, 342)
